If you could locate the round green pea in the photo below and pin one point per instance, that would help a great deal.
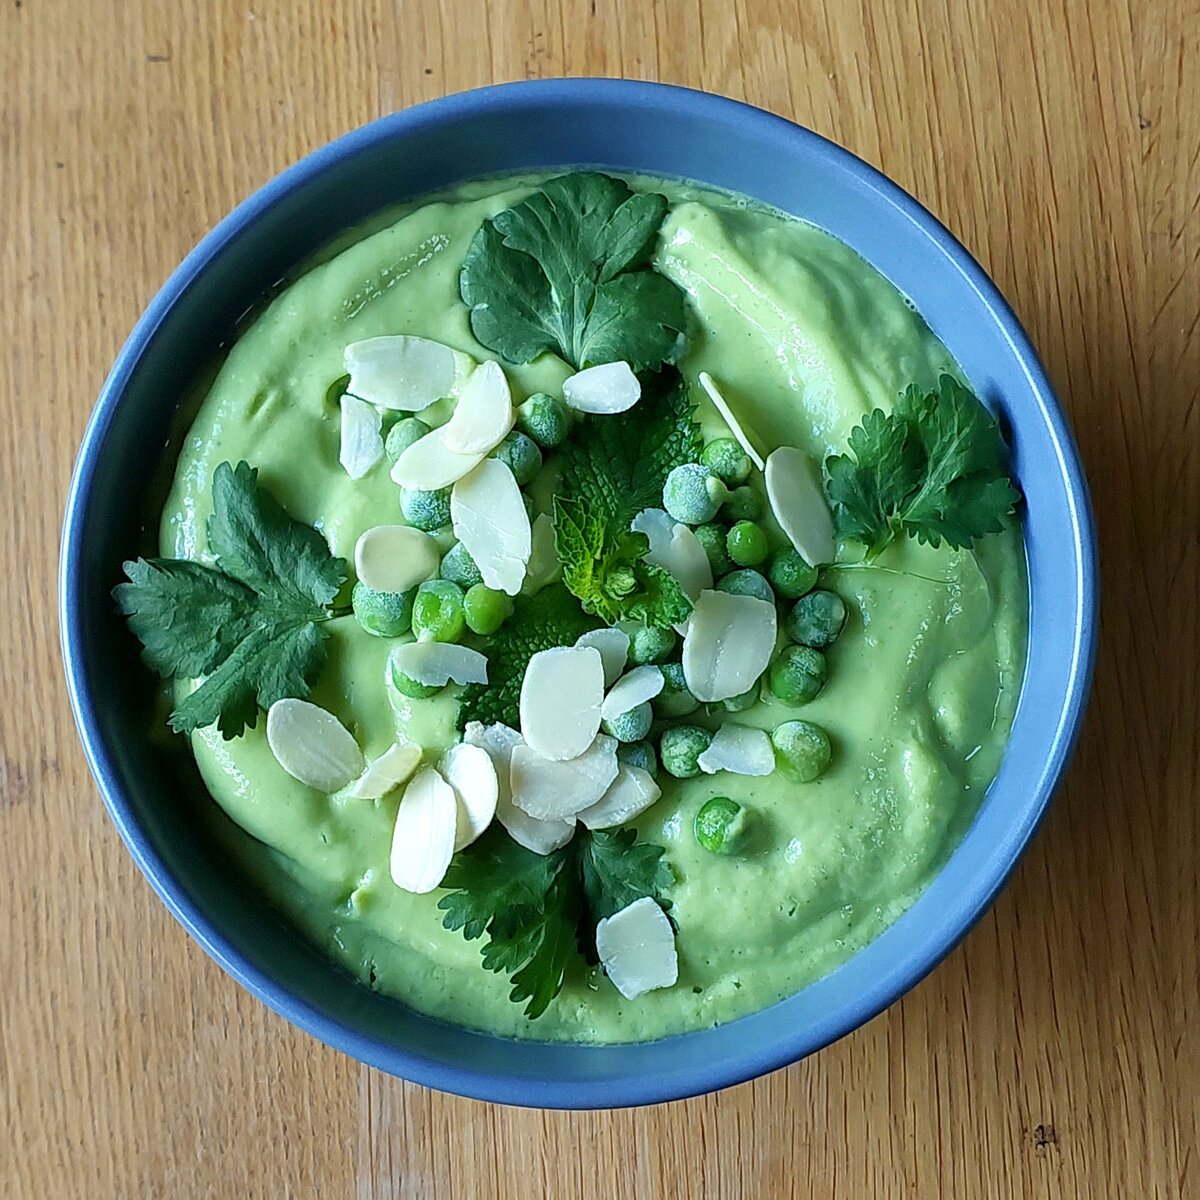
(790, 575)
(485, 609)
(727, 460)
(680, 747)
(631, 726)
(692, 494)
(648, 644)
(675, 700)
(816, 619)
(747, 583)
(384, 614)
(802, 750)
(736, 704)
(545, 419)
(438, 612)
(426, 510)
(720, 825)
(406, 685)
(638, 754)
(712, 538)
(459, 567)
(521, 455)
(798, 674)
(403, 434)
(744, 504)
(746, 544)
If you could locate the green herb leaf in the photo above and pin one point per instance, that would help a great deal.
(567, 270)
(550, 618)
(539, 912)
(251, 626)
(935, 468)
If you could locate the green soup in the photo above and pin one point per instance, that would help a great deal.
(923, 682)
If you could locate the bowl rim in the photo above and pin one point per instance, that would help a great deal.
(699, 1077)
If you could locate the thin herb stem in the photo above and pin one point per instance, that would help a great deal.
(870, 566)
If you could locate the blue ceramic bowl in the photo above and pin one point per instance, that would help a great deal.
(623, 126)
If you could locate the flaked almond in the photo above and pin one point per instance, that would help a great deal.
(469, 770)
(740, 749)
(613, 647)
(423, 836)
(639, 685)
(489, 518)
(312, 745)
(429, 464)
(362, 443)
(728, 644)
(629, 795)
(637, 949)
(402, 373)
(609, 388)
(484, 412)
(394, 558)
(554, 790)
(435, 664)
(388, 771)
(560, 701)
(722, 406)
(798, 501)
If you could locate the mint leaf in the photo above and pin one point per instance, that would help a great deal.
(251, 626)
(935, 469)
(550, 618)
(566, 270)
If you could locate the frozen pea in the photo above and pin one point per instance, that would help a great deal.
(485, 609)
(638, 754)
(384, 614)
(720, 825)
(790, 575)
(459, 567)
(544, 419)
(520, 454)
(426, 510)
(648, 644)
(747, 583)
(438, 612)
(735, 704)
(692, 494)
(798, 674)
(630, 726)
(802, 750)
(746, 544)
(406, 685)
(727, 460)
(675, 700)
(680, 747)
(403, 434)
(743, 504)
(816, 619)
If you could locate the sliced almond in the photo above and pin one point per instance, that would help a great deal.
(556, 791)
(637, 949)
(312, 745)
(394, 558)
(739, 749)
(613, 647)
(609, 388)
(641, 684)
(728, 644)
(402, 373)
(362, 443)
(489, 518)
(629, 795)
(429, 464)
(423, 837)
(798, 501)
(722, 406)
(469, 770)
(484, 412)
(560, 701)
(388, 771)
(435, 664)
(658, 526)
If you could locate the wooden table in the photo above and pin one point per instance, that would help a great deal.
(1054, 1054)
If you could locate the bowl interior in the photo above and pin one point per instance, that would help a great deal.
(621, 126)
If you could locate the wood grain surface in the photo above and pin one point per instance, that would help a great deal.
(1054, 1054)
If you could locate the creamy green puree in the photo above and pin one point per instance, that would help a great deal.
(806, 339)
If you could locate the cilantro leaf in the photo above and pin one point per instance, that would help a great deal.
(539, 912)
(251, 626)
(935, 469)
(550, 618)
(567, 270)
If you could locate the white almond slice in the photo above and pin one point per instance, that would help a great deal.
(402, 373)
(609, 388)
(560, 701)
(429, 464)
(728, 644)
(613, 647)
(722, 406)
(677, 550)
(739, 749)
(484, 412)
(798, 502)
(362, 443)
(435, 664)
(312, 745)
(637, 949)
(394, 558)
(388, 771)
(469, 770)
(659, 527)
(556, 791)
(423, 837)
(544, 565)
(488, 514)
(628, 796)
(640, 685)
(499, 741)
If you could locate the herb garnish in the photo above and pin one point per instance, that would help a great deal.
(252, 625)
(567, 270)
(540, 911)
(935, 468)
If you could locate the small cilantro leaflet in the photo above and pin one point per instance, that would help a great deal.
(539, 912)
(250, 626)
(935, 469)
(567, 270)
